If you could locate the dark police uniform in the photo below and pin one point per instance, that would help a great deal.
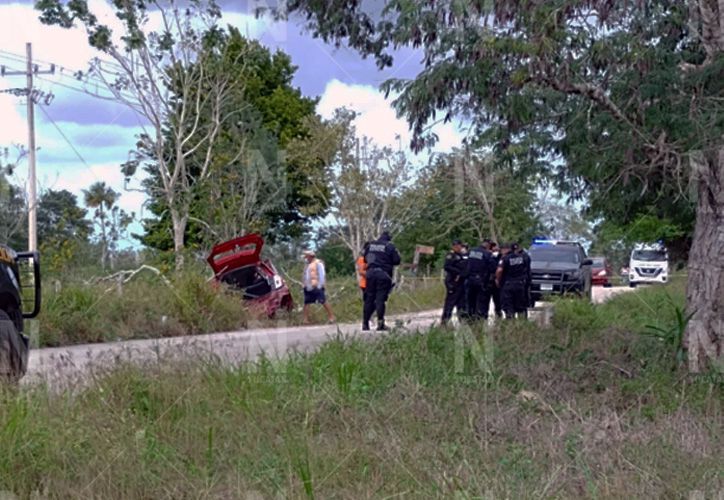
(529, 278)
(381, 257)
(514, 283)
(480, 264)
(454, 285)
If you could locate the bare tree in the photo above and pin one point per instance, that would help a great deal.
(168, 68)
(238, 200)
(370, 192)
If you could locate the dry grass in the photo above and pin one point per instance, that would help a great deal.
(569, 412)
(148, 308)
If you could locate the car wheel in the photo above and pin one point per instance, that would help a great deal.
(631, 284)
(13, 351)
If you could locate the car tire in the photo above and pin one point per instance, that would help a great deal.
(13, 351)
(631, 285)
(608, 285)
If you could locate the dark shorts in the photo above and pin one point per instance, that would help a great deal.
(315, 296)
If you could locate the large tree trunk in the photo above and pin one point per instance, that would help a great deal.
(705, 289)
(179, 231)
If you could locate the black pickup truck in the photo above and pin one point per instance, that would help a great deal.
(558, 269)
(19, 290)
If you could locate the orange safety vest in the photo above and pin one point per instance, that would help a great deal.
(361, 272)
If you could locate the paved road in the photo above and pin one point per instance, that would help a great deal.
(64, 367)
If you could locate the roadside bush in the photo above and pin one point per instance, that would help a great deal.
(146, 307)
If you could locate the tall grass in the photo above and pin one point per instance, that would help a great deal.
(566, 412)
(148, 307)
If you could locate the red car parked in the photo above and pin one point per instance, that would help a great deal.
(601, 272)
(237, 263)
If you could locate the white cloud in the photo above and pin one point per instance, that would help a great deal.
(377, 119)
(13, 129)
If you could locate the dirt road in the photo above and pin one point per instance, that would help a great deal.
(64, 367)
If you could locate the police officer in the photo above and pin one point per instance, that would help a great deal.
(454, 281)
(480, 263)
(463, 311)
(512, 277)
(494, 290)
(529, 279)
(381, 256)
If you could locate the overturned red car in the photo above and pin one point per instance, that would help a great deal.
(237, 263)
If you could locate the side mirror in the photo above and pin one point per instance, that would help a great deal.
(29, 268)
(587, 262)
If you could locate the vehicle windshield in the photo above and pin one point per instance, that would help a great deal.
(599, 262)
(649, 255)
(554, 255)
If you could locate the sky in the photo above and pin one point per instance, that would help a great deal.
(82, 139)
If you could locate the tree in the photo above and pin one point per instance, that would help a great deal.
(13, 208)
(368, 185)
(462, 195)
(109, 218)
(264, 190)
(12, 214)
(562, 220)
(63, 230)
(173, 78)
(595, 93)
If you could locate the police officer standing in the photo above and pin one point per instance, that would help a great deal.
(512, 277)
(529, 279)
(381, 256)
(454, 281)
(494, 290)
(480, 265)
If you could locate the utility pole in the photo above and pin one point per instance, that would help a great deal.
(32, 176)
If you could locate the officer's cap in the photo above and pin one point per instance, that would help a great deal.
(457, 242)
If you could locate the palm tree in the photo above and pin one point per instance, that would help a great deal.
(101, 198)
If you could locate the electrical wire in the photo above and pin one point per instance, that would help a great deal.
(62, 134)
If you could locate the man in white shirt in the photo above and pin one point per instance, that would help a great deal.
(314, 280)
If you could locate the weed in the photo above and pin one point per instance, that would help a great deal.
(673, 335)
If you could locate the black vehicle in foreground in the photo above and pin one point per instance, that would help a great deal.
(19, 289)
(558, 269)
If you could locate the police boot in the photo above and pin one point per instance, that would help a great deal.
(381, 326)
(366, 326)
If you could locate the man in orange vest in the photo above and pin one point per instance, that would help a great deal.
(361, 265)
(314, 280)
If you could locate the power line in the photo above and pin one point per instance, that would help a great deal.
(20, 57)
(85, 79)
(68, 141)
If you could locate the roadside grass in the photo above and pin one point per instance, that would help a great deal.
(189, 304)
(588, 408)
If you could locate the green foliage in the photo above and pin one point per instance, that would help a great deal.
(607, 109)
(13, 231)
(255, 184)
(63, 231)
(673, 335)
(361, 419)
(188, 305)
(452, 205)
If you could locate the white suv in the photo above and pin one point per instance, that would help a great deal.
(648, 264)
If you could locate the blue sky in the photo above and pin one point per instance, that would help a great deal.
(103, 132)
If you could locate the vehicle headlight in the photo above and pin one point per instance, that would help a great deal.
(574, 275)
(277, 281)
(602, 273)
